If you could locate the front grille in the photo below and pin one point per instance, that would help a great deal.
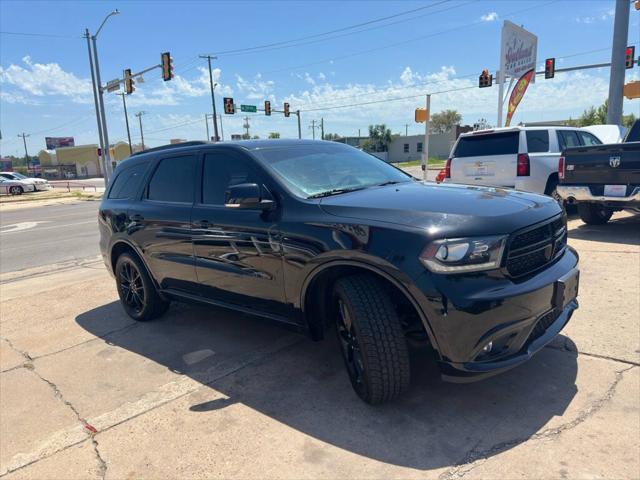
(535, 247)
(541, 326)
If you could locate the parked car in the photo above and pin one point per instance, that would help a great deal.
(602, 179)
(15, 187)
(38, 183)
(319, 235)
(524, 158)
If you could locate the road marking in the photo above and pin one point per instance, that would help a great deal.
(20, 227)
(31, 225)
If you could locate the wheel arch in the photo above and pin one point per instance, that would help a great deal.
(318, 285)
(123, 246)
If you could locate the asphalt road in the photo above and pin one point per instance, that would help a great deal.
(32, 237)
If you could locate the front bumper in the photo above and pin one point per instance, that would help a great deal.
(517, 317)
(582, 193)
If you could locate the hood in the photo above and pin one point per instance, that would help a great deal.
(445, 210)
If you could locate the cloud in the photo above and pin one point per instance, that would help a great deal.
(489, 17)
(256, 89)
(601, 16)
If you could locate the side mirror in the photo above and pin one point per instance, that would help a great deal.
(247, 196)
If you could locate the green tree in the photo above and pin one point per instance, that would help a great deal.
(274, 135)
(379, 138)
(331, 136)
(444, 121)
(598, 116)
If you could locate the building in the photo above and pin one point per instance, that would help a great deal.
(81, 161)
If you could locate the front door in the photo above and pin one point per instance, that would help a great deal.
(237, 252)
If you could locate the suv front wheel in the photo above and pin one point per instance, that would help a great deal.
(137, 292)
(371, 339)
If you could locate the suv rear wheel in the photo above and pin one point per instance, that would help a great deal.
(137, 292)
(371, 339)
(594, 214)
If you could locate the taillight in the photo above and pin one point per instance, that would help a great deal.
(447, 169)
(523, 165)
(561, 168)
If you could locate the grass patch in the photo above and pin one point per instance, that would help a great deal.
(433, 162)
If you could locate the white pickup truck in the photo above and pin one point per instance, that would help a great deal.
(524, 158)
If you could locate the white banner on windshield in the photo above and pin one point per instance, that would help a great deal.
(518, 51)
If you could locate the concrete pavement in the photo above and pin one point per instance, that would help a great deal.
(87, 393)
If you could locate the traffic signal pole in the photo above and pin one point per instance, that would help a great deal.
(425, 147)
(126, 120)
(213, 98)
(108, 170)
(299, 129)
(617, 73)
(97, 107)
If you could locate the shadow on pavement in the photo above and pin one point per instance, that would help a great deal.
(625, 230)
(303, 384)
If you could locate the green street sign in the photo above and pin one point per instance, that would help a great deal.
(248, 108)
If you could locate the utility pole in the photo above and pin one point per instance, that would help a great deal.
(321, 128)
(206, 124)
(406, 129)
(313, 127)
(299, 129)
(213, 98)
(617, 73)
(246, 127)
(97, 107)
(425, 147)
(221, 129)
(26, 154)
(126, 119)
(139, 115)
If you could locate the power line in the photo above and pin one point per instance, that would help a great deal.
(283, 42)
(35, 34)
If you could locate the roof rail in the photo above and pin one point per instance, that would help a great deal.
(170, 146)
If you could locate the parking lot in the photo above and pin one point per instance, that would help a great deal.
(88, 393)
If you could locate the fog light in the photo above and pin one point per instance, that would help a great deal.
(487, 348)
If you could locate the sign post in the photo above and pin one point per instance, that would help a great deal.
(518, 51)
(425, 147)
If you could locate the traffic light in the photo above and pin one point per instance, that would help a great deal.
(229, 107)
(167, 66)
(485, 79)
(267, 107)
(129, 82)
(286, 110)
(550, 68)
(629, 58)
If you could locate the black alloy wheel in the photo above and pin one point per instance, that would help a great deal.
(136, 290)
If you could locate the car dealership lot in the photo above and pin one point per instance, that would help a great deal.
(85, 392)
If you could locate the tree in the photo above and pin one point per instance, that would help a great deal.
(379, 138)
(274, 135)
(331, 136)
(444, 121)
(598, 116)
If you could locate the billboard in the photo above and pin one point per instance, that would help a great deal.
(58, 142)
(518, 51)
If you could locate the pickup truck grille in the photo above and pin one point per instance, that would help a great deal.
(536, 247)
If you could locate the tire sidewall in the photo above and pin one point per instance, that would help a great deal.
(16, 190)
(147, 285)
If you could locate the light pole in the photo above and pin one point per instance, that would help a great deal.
(213, 98)
(126, 119)
(98, 97)
(26, 154)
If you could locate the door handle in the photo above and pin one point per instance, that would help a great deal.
(203, 224)
(137, 217)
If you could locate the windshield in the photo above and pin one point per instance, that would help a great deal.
(19, 176)
(315, 170)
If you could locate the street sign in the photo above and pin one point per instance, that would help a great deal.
(113, 85)
(248, 108)
(421, 115)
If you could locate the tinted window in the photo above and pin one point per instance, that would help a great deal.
(406, 148)
(537, 141)
(173, 180)
(589, 139)
(6, 175)
(419, 147)
(126, 184)
(311, 169)
(220, 171)
(567, 139)
(488, 144)
(633, 135)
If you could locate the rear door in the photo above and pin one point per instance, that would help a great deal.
(160, 223)
(486, 158)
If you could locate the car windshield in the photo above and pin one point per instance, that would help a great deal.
(317, 170)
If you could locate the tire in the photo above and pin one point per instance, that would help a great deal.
(138, 294)
(371, 339)
(16, 190)
(594, 214)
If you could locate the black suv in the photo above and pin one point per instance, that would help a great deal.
(320, 235)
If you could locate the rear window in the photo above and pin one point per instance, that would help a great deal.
(537, 141)
(126, 184)
(567, 139)
(174, 180)
(488, 144)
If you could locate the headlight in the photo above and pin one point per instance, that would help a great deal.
(459, 255)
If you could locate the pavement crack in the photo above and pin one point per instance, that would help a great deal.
(569, 347)
(28, 358)
(475, 457)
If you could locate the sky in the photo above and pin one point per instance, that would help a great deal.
(349, 63)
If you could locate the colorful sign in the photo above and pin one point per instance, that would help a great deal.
(58, 142)
(517, 93)
(518, 51)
